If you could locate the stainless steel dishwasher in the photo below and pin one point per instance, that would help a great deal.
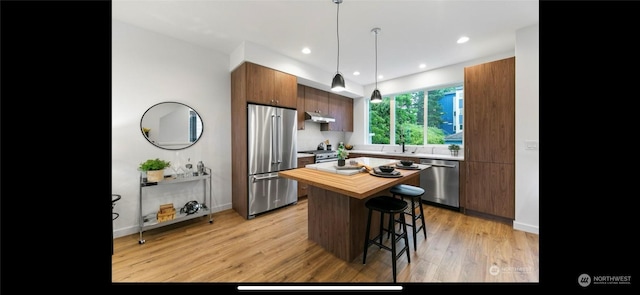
(441, 183)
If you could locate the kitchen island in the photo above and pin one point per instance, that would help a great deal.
(337, 216)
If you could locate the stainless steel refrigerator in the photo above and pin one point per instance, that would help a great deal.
(272, 137)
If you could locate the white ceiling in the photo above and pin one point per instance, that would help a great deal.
(412, 32)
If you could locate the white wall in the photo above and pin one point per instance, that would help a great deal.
(148, 68)
(527, 128)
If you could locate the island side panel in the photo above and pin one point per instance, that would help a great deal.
(358, 226)
(328, 214)
(337, 222)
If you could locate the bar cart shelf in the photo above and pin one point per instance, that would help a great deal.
(148, 219)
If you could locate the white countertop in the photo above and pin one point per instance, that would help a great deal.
(460, 156)
(302, 155)
(331, 166)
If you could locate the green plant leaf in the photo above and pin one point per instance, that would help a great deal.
(154, 164)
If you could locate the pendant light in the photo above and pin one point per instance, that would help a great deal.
(338, 81)
(376, 97)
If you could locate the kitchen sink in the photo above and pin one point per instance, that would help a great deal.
(398, 153)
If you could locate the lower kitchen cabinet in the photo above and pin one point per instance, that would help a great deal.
(489, 189)
(303, 187)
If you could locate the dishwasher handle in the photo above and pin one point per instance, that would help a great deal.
(438, 165)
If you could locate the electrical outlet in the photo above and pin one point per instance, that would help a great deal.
(530, 144)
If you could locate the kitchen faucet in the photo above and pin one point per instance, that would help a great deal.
(402, 140)
(403, 149)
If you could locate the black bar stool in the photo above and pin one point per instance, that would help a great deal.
(414, 193)
(391, 206)
(114, 215)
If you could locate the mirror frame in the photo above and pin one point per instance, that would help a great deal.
(166, 110)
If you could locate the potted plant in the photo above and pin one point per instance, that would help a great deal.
(454, 148)
(342, 155)
(155, 169)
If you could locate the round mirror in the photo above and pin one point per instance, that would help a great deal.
(171, 125)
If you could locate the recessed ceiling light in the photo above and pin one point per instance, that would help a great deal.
(422, 66)
(356, 73)
(380, 76)
(306, 50)
(463, 39)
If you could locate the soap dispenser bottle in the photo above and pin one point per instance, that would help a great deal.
(200, 168)
(189, 167)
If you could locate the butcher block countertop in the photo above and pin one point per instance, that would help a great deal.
(359, 186)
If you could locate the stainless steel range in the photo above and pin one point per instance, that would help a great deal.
(322, 156)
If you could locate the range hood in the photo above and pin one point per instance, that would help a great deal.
(318, 117)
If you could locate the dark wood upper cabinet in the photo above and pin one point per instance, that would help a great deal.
(347, 125)
(286, 90)
(270, 87)
(341, 108)
(316, 100)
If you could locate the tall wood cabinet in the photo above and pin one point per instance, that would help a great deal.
(488, 169)
(300, 108)
(252, 83)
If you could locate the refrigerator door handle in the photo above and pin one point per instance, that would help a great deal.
(256, 178)
(280, 126)
(274, 143)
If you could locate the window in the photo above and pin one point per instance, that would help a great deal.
(193, 132)
(380, 122)
(401, 117)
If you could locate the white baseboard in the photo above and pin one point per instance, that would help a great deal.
(525, 227)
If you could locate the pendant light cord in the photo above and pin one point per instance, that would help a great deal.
(338, 36)
(376, 59)
(376, 97)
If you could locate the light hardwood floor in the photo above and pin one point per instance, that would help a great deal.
(274, 248)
